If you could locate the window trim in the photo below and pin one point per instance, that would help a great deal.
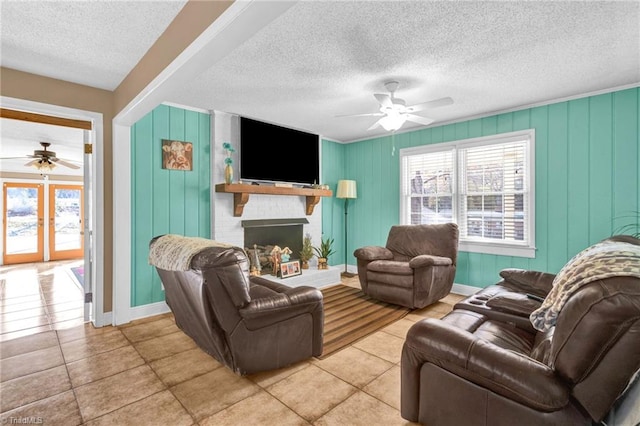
(527, 249)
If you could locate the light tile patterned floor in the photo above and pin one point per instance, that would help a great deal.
(149, 373)
(37, 297)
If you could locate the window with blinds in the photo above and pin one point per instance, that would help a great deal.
(485, 185)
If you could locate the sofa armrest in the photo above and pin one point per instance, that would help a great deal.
(267, 311)
(514, 303)
(426, 260)
(539, 283)
(371, 253)
(504, 372)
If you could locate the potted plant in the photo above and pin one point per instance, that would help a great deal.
(323, 252)
(307, 252)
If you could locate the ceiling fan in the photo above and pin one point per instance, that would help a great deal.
(45, 160)
(394, 112)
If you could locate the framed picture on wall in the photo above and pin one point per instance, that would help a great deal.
(289, 269)
(177, 155)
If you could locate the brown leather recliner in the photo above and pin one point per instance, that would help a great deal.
(416, 267)
(250, 324)
(482, 368)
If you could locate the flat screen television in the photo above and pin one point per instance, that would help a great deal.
(271, 153)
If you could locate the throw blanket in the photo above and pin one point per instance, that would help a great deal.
(602, 260)
(174, 252)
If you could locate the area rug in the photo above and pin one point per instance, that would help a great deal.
(350, 315)
(78, 272)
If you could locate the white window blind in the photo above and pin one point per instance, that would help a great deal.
(485, 185)
(492, 201)
(431, 189)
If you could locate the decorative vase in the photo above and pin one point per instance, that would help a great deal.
(228, 174)
(305, 264)
(322, 263)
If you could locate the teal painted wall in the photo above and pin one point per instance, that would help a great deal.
(587, 179)
(333, 170)
(166, 201)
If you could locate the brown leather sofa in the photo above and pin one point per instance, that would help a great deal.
(415, 268)
(249, 324)
(484, 367)
(518, 293)
(513, 298)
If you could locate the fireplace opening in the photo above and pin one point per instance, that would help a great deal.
(267, 233)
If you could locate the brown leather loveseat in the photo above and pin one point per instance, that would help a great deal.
(250, 324)
(487, 367)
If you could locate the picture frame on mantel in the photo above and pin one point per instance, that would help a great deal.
(290, 269)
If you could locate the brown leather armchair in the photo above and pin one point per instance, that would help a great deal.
(481, 368)
(416, 267)
(250, 324)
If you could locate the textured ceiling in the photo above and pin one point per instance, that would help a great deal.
(320, 59)
(95, 43)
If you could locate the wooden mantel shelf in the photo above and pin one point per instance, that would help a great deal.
(241, 193)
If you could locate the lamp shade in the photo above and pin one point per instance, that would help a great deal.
(347, 189)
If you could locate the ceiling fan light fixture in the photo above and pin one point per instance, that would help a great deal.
(393, 121)
(44, 165)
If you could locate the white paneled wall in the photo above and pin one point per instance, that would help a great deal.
(225, 227)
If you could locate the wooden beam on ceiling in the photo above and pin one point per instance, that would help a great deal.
(44, 119)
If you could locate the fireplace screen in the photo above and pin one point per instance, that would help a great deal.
(261, 236)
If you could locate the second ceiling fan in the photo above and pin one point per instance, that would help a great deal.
(394, 112)
(45, 160)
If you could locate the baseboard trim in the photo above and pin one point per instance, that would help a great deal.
(149, 310)
(352, 269)
(107, 319)
(464, 290)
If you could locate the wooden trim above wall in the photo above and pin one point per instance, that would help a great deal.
(44, 119)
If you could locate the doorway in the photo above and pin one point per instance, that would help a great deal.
(93, 220)
(66, 212)
(23, 223)
(27, 207)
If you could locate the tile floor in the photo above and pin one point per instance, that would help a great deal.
(148, 372)
(37, 297)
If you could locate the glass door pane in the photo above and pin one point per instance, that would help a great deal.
(24, 216)
(65, 222)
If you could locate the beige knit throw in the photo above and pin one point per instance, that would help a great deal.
(173, 252)
(602, 260)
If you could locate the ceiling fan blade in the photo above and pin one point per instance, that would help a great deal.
(374, 125)
(421, 120)
(31, 163)
(64, 163)
(384, 99)
(431, 104)
(368, 114)
(13, 158)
